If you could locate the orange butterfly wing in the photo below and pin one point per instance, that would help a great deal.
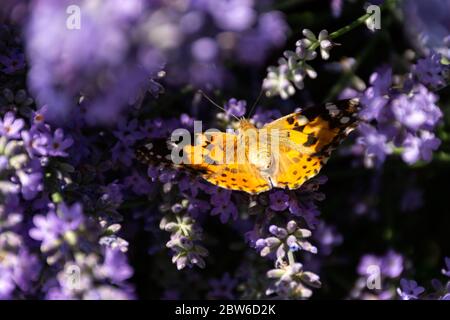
(307, 139)
(215, 168)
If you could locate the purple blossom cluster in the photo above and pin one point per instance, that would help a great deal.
(43, 239)
(403, 120)
(116, 52)
(411, 290)
(376, 275)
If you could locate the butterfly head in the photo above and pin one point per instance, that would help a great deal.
(245, 124)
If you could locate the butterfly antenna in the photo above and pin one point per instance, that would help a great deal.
(255, 103)
(215, 104)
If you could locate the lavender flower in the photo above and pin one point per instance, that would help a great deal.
(235, 108)
(429, 70)
(223, 206)
(13, 62)
(428, 25)
(104, 50)
(420, 148)
(447, 264)
(293, 69)
(10, 126)
(279, 201)
(291, 238)
(405, 119)
(292, 281)
(184, 234)
(409, 290)
(56, 227)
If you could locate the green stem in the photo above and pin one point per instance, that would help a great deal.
(351, 26)
(291, 258)
(354, 24)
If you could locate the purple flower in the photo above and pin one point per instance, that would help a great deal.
(102, 48)
(46, 229)
(122, 153)
(403, 117)
(26, 269)
(336, 7)
(137, 183)
(49, 228)
(366, 262)
(328, 238)
(261, 117)
(115, 266)
(428, 24)
(429, 70)
(291, 238)
(375, 144)
(71, 216)
(373, 99)
(128, 132)
(409, 290)
(447, 265)
(13, 62)
(235, 108)
(233, 15)
(420, 148)
(112, 194)
(197, 207)
(418, 111)
(279, 201)
(7, 285)
(225, 211)
(204, 49)
(58, 144)
(186, 183)
(223, 206)
(273, 27)
(392, 264)
(31, 182)
(36, 142)
(10, 126)
(39, 116)
(292, 281)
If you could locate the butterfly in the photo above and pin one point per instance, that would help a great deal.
(282, 154)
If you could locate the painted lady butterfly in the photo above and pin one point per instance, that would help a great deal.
(304, 141)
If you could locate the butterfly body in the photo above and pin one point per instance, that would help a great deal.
(283, 153)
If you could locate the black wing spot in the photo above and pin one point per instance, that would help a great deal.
(311, 140)
(290, 120)
(299, 128)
